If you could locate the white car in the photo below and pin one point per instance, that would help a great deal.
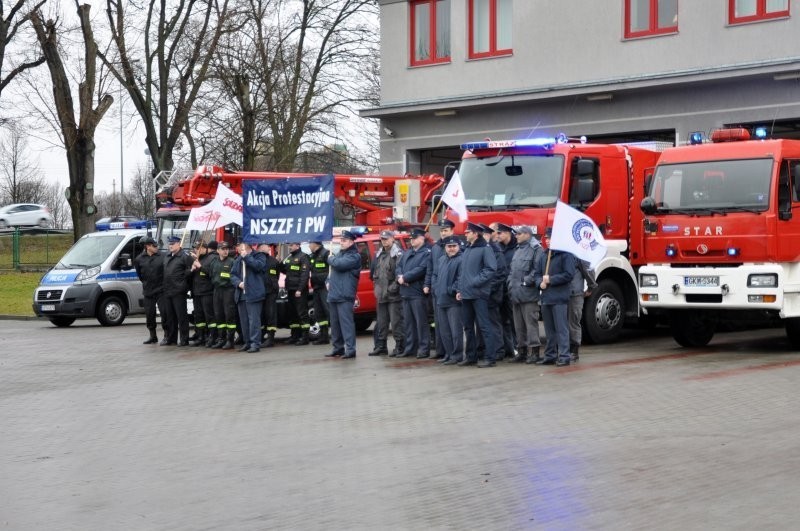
(25, 214)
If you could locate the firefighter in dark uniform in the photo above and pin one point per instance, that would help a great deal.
(319, 274)
(269, 314)
(296, 268)
(496, 298)
(150, 268)
(202, 292)
(177, 275)
(345, 271)
(224, 306)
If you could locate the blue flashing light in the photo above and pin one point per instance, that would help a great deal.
(696, 138)
(471, 146)
(760, 132)
(733, 251)
(116, 225)
(671, 251)
(546, 142)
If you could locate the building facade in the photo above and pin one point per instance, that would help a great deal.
(454, 71)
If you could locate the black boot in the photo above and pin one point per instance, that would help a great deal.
(200, 341)
(152, 339)
(573, 350)
(533, 356)
(303, 338)
(228, 345)
(323, 337)
(294, 338)
(211, 338)
(270, 341)
(521, 356)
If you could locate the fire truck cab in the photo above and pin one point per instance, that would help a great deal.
(721, 221)
(518, 182)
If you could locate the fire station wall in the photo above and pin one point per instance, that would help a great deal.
(698, 107)
(578, 44)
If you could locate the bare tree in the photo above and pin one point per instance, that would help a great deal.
(11, 22)
(77, 134)
(165, 77)
(140, 197)
(53, 197)
(20, 178)
(291, 72)
(108, 204)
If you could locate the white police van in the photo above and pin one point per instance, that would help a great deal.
(95, 278)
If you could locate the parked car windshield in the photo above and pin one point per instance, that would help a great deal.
(89, 252)
(518, 180)
(726, 185)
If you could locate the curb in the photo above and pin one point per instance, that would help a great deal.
(21, 318)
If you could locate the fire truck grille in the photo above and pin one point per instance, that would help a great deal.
(48, 295)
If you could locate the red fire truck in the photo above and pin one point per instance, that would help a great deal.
(372, 203)
(720, 238)
(518, 182)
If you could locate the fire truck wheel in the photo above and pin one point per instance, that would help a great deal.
(793, 332)
(692, 328)
(604, 313)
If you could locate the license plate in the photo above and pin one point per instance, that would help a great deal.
(48, 307)
(701, 282)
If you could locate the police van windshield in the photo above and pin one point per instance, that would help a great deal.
(506, 180)
(712, 186)
(90, 252)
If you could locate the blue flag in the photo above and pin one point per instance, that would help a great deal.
(292, 209)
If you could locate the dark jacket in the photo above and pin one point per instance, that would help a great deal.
(273, 274)
(414, 266)
(445, 280)
(500, 275)
(383, 274)
(478, 268)
(201, 279)
(561, 271)
(250, 269)
(510, 249)
(220, 272)
(521, 287)
(583, 272)
(344, 274)
(318, 261)
(296, 268)
(177, 272)
(151, 272)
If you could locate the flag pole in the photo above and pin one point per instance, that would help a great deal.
(547, 264)
(433, 214)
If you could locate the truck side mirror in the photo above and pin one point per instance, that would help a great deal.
(648, 206)
(450, 169)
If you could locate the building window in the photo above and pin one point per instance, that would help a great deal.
(430, 32)
(650, 17)
(752, 10)
(489, 28)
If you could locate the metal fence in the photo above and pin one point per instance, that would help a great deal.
(32, 249)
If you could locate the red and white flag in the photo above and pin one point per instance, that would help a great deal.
(454, 196)
(226, 208)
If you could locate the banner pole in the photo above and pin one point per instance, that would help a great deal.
(433, 214)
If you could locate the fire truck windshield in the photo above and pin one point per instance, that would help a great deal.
(712, 187)
(518, 180)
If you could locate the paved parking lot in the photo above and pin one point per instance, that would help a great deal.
(101, 432)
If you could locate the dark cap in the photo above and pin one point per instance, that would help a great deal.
(147, 240)
(525, 229)
(450, 240)
(347, 235)
(447, 224)
(416, 233)
(224, 245)
(173, 239)
(502, 227)
(385, 234)
(317, 242)
(198, 244)
(487, 229)
(474, 227)
(212, 245)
